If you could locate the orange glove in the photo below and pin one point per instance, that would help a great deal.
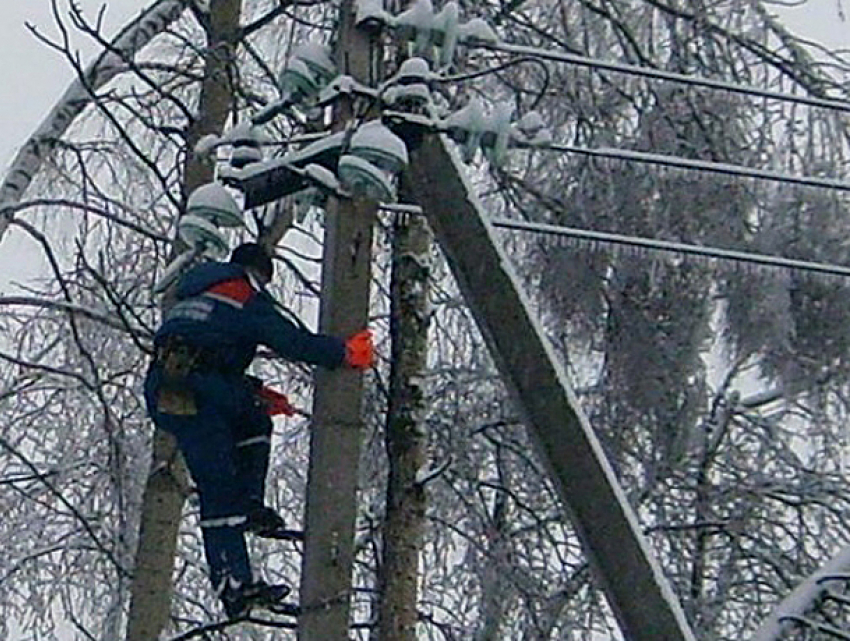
(359, 352)
(274, 402)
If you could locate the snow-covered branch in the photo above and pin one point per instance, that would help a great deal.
(103, 212)
(32, 301)
(132, 39)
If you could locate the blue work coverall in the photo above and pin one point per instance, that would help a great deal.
(223, 316)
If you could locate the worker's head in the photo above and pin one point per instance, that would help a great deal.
(255, 259)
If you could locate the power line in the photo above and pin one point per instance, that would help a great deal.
(658, 74)
(651, 244)
(697, 165)
(763, 260)
(645, 157)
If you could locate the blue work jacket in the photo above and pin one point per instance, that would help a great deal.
(219, 309)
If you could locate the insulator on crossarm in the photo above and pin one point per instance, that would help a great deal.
(371, 13)
(415, 25)
(242, 156)
(413, 71)
(466, 127)
(410, 98)
(365, 180)
(476, 31)
(445, 31)
(246, 144)
(376, 144)
(409, 89)
(213, 202)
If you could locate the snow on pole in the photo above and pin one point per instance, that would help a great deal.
(109, 64)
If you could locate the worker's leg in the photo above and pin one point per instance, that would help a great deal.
(209, 452)
(206, 441)
(253, 447)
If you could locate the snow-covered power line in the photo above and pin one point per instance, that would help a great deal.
(698, 165)
(762, 260)
(422, 26)
(728, 169)
(651, 244)
(659, 74)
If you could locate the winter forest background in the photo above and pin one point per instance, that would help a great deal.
(719, 389)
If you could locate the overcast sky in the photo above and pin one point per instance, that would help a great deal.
(32, 75)
(32, 78)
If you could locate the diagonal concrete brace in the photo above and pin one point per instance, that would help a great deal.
(637, 591)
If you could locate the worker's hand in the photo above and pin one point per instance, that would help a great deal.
(359, 352)
(274, 402)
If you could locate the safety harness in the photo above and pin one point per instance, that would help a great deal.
(178, 357)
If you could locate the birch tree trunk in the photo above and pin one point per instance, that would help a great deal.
(165, 491)
(406, 440)
(495, 587)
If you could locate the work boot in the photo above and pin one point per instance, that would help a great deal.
(239, 601)
(265, 522)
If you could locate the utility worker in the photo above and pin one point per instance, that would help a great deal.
(197, 390)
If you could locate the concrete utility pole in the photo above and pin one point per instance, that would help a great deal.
(331, 509)
(639, 595)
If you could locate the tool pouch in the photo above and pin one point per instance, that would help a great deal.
(175, 397)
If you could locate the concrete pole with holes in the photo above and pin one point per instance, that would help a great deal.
(331, 511)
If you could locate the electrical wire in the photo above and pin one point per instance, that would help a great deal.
(697, 165)
(506, 65)
(658, 74)
(763, 260)
(647, 158)
(650, 244)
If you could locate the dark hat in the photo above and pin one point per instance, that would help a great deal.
(254, 256)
